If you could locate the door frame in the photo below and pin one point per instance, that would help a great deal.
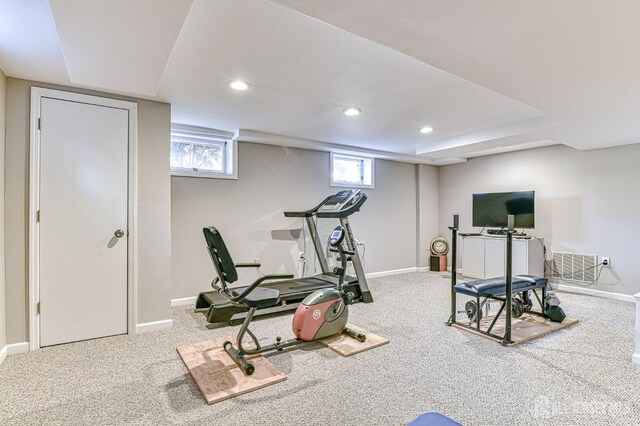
(37, 94)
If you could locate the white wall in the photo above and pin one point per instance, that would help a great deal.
(249, 214)
(586, 201)
(154, 207)
(3, 98)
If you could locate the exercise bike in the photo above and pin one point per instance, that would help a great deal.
(322, 314)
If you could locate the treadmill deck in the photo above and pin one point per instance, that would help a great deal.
(218, 309)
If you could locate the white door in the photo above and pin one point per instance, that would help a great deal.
(82, 203)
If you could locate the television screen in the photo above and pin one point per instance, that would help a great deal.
(492, 208)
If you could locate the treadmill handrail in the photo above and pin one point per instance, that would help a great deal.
(227, 293)
(247, 265)
(346, 212)
(343, 250)
(307, 213)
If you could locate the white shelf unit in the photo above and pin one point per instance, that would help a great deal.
(484, 256)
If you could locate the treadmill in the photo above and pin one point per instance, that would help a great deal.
(339, 206)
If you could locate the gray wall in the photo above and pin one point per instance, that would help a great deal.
(427, 179)
(249, 213)
(153, 220)
(586, 201)
(3, 97)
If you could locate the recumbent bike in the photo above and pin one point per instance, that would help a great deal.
(322, 314)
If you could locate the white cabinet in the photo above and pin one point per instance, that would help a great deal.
(494, 258)
(485, 256)
(473, 256)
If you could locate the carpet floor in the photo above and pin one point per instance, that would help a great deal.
(581, 375)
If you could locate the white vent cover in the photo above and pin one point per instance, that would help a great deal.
(574, 266)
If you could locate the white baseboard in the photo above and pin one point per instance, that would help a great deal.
(636, 358)
(391, 272)
(427, 269)
(146, 327)
(13, 349)
(18, 348)
(184, 301)
(596, 293)
(192, 300)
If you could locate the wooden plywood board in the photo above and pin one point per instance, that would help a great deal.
(523, 329)
(347, 346)
(218, 377)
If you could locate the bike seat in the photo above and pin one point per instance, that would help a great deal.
(260, 298)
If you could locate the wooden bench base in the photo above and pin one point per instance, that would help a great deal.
(523, 329)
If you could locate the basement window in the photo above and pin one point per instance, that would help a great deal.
(352, 171)
(202, 152)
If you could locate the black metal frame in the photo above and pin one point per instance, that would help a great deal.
(224, 267)
(239, 352)
(482, 300)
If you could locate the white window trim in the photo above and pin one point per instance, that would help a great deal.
(203, 135)
(339, 184)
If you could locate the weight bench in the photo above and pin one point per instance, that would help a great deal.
(496, 289)
(498, 286)
(502, 289)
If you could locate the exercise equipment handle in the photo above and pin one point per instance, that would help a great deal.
(307, 213)
(247, 265)
(349, 252)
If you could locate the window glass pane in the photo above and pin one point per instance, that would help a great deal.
(205, 157)
(346, 170)
(367, 172)
(353, 171)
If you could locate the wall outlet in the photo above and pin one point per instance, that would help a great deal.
(301, 255)
(256, 260)
(606, 262)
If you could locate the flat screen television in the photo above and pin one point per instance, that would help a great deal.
(490, 210)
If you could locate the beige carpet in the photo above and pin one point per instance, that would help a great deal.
(578, 376)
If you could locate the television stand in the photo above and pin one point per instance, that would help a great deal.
(503, 231)
(484, 256)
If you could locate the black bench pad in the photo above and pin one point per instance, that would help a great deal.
(260, 297)
(498, 286)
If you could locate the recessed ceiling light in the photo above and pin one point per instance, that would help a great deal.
(426, 129)
(352, 111)
(238, 85)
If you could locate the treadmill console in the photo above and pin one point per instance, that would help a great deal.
(337, 236)
(336, 206)
(341, 200)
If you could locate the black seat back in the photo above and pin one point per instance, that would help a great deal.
(220, 256)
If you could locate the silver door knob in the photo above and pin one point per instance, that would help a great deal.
(119, 233)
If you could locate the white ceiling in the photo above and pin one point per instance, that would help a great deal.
(489, 77)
